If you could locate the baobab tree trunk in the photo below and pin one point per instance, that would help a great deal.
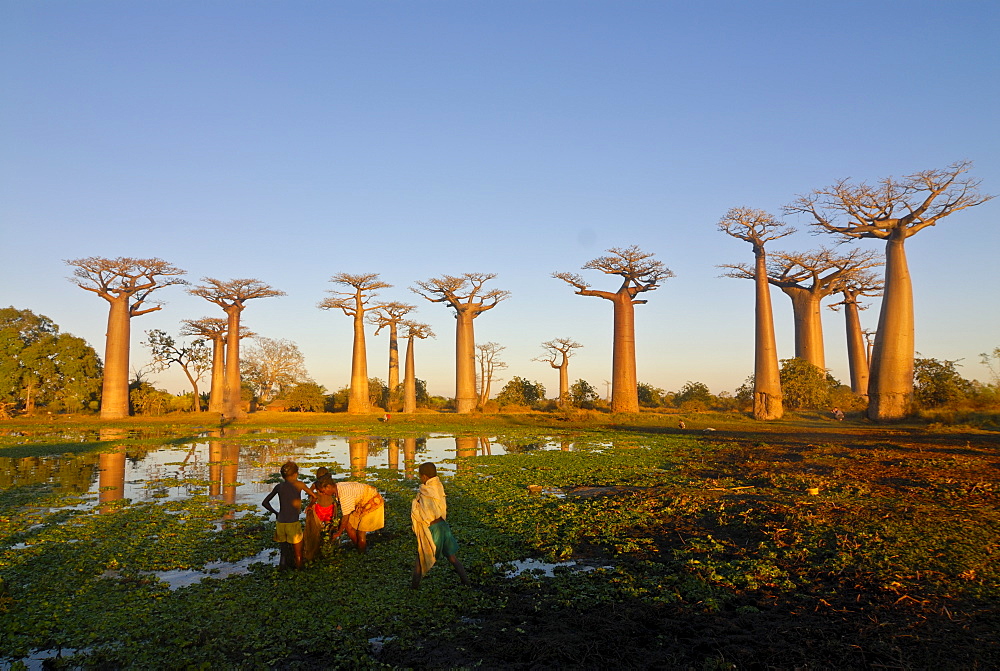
(465, 363)
(233, 406)
(890, 384)
(114, 394)
(564, 383)
(216, 402)
(409, 380)
(624, 382)
(808, 326)
(766, 381)
(857, 355)
(358, 402)
(393, 367)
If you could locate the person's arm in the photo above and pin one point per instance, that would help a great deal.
(267, 501)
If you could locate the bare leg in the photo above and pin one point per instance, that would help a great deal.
(297, 548)
(460, 569)
(417, 575)
(352, 533)
(362, 541)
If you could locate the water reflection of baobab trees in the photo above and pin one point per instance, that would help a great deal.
(111, 470)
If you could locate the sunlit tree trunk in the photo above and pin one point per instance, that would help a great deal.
(767, 381)
(890, 385)
(624, 381)
(857, 355)
(409, 380)
(393, 367)
(216, 402)
(359, 401)
(233, 403)
(114, 393)
(465, 363)
(808, 326)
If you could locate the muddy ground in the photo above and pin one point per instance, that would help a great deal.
(847, 621)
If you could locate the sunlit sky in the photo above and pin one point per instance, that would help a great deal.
(291, 141)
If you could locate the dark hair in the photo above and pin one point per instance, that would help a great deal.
(324, 480)
(288, 468)
(429, 469)
(321, 471)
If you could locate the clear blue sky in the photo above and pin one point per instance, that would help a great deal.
(291, 141)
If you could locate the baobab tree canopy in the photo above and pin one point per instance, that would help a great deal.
(892, 210)
(640, 272)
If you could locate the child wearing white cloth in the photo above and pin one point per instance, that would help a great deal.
(428, 515)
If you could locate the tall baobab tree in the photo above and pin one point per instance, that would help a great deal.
(859, 285)
(466, 296)
(356, 303)
(412, 331)
(125, 283)
(391, 316)
(231, 296)
(807, 278)
(486, 355)
(214, 329)
(759, 227)
(557, 354)
(639, 273)
(892, 210)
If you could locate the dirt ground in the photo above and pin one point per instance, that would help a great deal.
(854, 623)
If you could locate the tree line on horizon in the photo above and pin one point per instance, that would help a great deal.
(882, 372)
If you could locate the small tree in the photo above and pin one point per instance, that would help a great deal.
(520, 391)
(583, 395)
(640, 273)
(306, 397)
(272, 366)
(650, 396)
(805, 385)
(937, 383)
(126, 284)
(694, 396)
(214, 329)
(557, 354)
(489, 363)
(193, 359)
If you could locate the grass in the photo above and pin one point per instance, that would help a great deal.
(703, 551)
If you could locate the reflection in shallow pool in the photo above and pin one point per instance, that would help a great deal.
(238, 468)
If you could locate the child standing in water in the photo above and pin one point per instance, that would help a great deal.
(289, 529)
(319, 516)
(434, 538)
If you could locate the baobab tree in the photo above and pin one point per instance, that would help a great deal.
(466, 296)
(557, 354)
(487, 357)
(214, 329)
(892, 210)
(231, 296)
(859, 285)
(807, 278)
(639, 273)
(193, 359)
(411, 331)
(126, 284)
(391, 316)
(355, 304)
(759, 227)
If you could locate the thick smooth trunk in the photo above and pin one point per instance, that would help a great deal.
(624, 382)
(808, 326)
(766, 379)
(358, 402)
(409, 381)
(217, 394)
(564, 384)
(857, 356)
(393, 368)
(890, 385)
(465, 363)
(233, 406)
(114, 393)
